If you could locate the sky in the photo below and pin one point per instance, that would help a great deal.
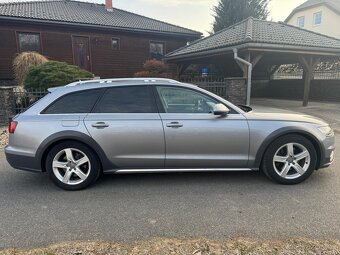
(193, 14)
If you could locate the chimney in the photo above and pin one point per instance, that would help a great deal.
(108, 5)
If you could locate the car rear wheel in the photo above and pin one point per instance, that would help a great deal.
(72, 165)
(290, 159)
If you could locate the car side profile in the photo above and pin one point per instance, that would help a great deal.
(77, 132)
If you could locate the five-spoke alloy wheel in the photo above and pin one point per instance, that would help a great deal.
(72, 165)
(290, 159)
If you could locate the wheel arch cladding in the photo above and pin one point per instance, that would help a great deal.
(289, 131)
(63, 136)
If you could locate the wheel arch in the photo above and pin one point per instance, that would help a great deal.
(63, 136)
(289, 131)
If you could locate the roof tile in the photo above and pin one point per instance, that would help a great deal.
(89, 14)
(260, 31)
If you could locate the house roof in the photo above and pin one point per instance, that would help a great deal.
(258, 33)
(332, 4)
(72, 12)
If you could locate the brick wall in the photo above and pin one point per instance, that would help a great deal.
(237, 90)
(7, 104)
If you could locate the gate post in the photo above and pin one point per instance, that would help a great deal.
(7, 104)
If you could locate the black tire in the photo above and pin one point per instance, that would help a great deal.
(93, 174)
(268, 165)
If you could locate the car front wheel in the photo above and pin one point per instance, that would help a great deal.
(72, 165)
(290, 159)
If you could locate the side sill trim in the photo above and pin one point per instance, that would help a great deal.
(176, 170)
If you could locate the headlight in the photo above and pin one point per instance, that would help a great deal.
(326, 130)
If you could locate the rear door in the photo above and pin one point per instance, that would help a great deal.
(126, 124)
(195, 138)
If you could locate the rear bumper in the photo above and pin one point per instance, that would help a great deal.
(21, 162)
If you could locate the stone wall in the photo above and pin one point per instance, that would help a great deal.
(237, 90)
(7, 104)
(321, 90)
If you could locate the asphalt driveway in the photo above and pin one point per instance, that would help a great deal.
(132, 207)
(328, 111)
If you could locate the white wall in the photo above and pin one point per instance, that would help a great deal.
(330, 23)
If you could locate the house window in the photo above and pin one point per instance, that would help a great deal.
(301, 22)
(156, 50)
(317, 18)
(115, 43)
(29, 42)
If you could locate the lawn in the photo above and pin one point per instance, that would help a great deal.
(162, 246)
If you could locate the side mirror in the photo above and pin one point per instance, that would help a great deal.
(221, 109)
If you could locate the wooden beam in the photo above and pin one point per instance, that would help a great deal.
(307, 63)
(180, 69)
(256, 60)
(307, 76)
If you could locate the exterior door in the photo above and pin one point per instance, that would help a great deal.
(126, 124)
(81, 52)
(195, 138)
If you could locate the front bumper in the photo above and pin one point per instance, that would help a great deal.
(328, 156)
(22, 162)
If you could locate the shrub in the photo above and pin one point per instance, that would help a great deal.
(153, 68)
(23, 62)
(54, 74)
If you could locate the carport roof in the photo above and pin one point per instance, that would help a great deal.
(255, 33)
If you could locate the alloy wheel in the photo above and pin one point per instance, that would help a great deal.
(291, 161)
(71, 166)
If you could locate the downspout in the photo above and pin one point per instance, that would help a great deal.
(250, 70)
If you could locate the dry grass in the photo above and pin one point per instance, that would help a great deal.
(3, 136)
(239, 246)
(23, 62)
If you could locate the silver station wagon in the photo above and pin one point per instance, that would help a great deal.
(77, 132)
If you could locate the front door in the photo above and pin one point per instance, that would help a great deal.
(127, 126)
(81, 52)
(195, 138)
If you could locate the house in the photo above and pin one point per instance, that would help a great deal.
(321, 16)
(107, 41)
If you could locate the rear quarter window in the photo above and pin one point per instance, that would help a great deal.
(127, 99)
(75, 102)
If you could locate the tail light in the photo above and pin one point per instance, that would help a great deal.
(12, 126)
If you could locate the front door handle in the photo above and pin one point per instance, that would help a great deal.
(100, 125)
(174, 125)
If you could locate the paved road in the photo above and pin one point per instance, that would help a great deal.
(33, 212)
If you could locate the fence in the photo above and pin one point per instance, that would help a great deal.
(14, 100)
(218, 86)
(318, 75)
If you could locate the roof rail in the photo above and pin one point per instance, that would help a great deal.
(146, 80)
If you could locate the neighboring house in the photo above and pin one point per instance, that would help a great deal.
(321, 16)
(106, 41)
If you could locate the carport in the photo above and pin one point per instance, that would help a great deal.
(257, 48)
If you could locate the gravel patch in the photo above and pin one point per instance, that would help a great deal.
(201, 246)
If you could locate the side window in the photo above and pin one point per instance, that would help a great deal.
(29, 42)
(181, 100)
(77, 102)
(128, 99)
(115, 43)
(157, 50)
(317, 17)
(301, 22)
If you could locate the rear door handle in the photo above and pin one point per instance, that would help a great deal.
(174, 125)
(100, 125)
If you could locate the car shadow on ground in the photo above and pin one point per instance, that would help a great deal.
(21, 181)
